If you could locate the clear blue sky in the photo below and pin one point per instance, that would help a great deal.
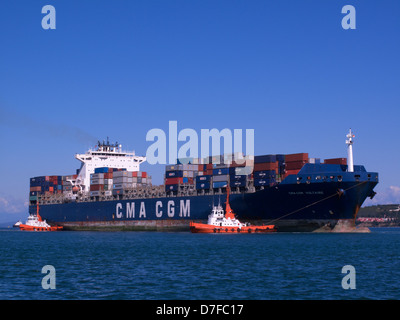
(286, 69)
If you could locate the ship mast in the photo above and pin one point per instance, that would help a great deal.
(37, 211)
(349, 142)
(228, 211)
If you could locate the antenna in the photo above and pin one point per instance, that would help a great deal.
(349, 142)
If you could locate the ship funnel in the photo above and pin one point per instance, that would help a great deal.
(349, 142)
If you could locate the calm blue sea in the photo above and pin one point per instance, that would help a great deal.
(155, 265)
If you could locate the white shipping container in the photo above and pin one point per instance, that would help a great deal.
(97, 176)
(243, 171)
(174, 167)
(118, 174)
(122, 180)
(97, 181)
(220, 178)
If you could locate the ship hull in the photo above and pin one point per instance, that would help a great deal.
(290, 207)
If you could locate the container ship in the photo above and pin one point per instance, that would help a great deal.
(292, 191)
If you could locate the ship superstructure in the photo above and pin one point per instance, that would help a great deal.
(108, 156)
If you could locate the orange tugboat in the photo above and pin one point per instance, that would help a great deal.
(220, 222)
(35, 223)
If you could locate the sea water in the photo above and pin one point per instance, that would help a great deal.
(181, 266)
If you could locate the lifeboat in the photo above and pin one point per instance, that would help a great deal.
(226, 222)
(36, 223)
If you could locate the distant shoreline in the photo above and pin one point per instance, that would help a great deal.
(389, 211)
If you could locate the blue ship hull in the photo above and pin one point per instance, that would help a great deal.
(318, 197)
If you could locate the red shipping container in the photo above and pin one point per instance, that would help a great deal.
(169, 181)
(209, 166)
(296, 157)
(96, 187)
(108, 175)
(289, 172)
(266, 166)
(134, 174)
(294, 165)
(237, 165)
(144, 174)
(336, 161)
(243, 163)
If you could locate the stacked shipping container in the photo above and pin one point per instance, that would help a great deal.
(181, 175)
(48, 185)
(264, 170)
(114, 181)
(294, 162)
(109, 180)
(207, 176)
(336, 161)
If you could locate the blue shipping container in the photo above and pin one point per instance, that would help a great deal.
(263, 182)
(220, 184)
(174, 174)
(203, 178)
(260, 182)
(234, 177)
(238, 183)
(203, 185)
(265, 158)
(101, 170)
(280, 158)
(264, 174)
(220, 171)
(171, 187)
